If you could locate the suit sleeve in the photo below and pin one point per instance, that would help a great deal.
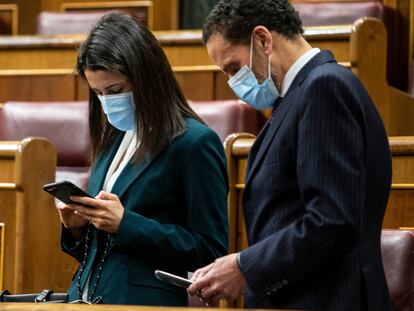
(72, 247)
(331, 179)
(205, 235)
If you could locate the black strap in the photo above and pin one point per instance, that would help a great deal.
(2, 293)
(43, 296)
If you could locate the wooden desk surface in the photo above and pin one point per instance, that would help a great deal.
(170, 37)
(76, 307)
(183, 48)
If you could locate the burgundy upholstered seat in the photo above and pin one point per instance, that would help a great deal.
(398, 258)
(50, 23)
(229, 116)
(65, 124)
(337, 13)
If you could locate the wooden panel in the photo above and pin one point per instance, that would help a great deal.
(402, 149)
(141, 10)
(222, 89)
(166, 14)
(400, 209)
(183, 48)
(2, 239)
(36, 86)
(196, 85)
(8, 19)
(33, 259)
(8, 216)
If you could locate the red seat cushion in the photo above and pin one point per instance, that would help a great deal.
(336, 13)
(229, 116)
(398, 258)
(64, 124)
(50, 23)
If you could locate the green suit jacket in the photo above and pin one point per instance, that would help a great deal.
(175, 220)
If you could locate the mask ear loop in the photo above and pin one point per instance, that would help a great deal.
(270, 58)
(251, 51)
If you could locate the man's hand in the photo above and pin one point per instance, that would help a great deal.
(221, 279)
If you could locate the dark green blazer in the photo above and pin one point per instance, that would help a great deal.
(175, 220)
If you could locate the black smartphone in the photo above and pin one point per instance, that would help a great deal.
(64, 189)
(173, 279)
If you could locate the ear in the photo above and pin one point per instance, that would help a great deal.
(264, 37)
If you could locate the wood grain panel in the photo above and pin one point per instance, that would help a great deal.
(46, 87)
(33, 259)
(2, 251)
(400, 209)
(8, 217)
(196, 85)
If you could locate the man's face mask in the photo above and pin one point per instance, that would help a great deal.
(120, 110)
(248, 89)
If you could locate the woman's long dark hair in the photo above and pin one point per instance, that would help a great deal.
(121, 44)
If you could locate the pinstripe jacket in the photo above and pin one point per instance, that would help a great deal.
(317, 186)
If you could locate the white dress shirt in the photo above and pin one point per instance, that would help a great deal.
(295, 68)
(124, 154)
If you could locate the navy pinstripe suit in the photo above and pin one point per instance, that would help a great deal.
(317, 186)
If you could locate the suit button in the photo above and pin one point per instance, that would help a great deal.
(285, 282)
(274, 288)
(279, 285)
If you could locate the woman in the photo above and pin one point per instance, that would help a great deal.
(158, 177)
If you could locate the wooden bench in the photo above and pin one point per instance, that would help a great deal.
(197, 82)
(400, 209)
(32, 256)
(360, 47)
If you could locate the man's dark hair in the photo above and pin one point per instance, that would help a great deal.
(236, 19)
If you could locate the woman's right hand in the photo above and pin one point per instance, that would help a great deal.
(70, 219)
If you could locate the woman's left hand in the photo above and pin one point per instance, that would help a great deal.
(105, 211)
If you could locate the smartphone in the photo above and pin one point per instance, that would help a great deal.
(63, 190)
(173, 279)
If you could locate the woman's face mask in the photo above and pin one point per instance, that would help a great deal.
(244, 83)
(120, 110)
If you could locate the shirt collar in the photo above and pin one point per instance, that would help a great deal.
(295, 68)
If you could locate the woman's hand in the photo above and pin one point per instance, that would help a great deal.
(69, 218)
(73, 222)
(104, 212)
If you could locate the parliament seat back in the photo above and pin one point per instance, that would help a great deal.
(65, 124)
(229, 116)
(79, 17)
(337, 13)
(51, 23)
(398, 257)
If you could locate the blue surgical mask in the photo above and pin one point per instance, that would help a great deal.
(248, 89)
(120, 110)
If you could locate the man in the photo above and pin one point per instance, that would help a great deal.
(318, 175)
